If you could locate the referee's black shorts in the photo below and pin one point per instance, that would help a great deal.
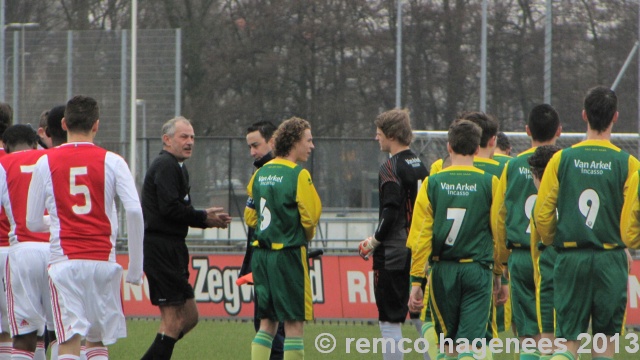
(166, 264)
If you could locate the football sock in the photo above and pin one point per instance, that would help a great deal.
(54, 349)
(466, 356)
(293, 348)
(98, 353)
(601, 358)
(545, 357)
(40, 353)
(21, 355)
(160, 349)
(261, 346)
(393, 331)
(83, 351)
(429, 334)
(5, 350)
(563, 356)
(417, 323)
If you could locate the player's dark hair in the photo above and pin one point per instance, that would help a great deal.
(288, 134)
(487, 123)
(543, 122)
(540, 158)
(81, 113)
(6, 117)
(265, 128)
(19, 134)
(464, 137)
(600, 104)
(54, 125)
(395, 124)
(503, 142)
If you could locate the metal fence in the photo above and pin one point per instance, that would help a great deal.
(46, 68)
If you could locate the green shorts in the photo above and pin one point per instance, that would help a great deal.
(281, 282)
(590, 284)
(461, 298)
(523, 292)
(544, 291)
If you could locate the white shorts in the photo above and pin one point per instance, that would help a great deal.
(29, 302)
(85, 297)
(4, 318)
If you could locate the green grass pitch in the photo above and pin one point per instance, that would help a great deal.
(221, 339)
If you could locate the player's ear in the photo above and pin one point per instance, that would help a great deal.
(95, 126)
(63, 123)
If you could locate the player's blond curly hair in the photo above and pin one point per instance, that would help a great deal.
(288, 134)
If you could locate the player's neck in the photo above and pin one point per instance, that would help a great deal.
(594, 135)
(80, 137)
(486, 153)
(461, 160)
(396, 148)
(535, 143)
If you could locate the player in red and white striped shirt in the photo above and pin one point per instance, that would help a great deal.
(6, 118)
(77, 183)
(26, 279)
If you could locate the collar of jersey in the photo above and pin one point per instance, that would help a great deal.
(78, 143)
(282, 161)
(603, 143)
(462, 167)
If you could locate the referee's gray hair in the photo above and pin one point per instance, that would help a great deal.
(169, 128)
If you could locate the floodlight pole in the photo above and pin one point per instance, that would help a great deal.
(134, 50)
(399, 55)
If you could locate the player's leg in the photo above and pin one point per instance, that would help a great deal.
(445, 295)
(289, 276)
(572, 298)
(544, 302)
(392, 290)
(263, 340)
(5, 336)
(476, 282)
(610, 299)
(523, 299)
(428, 327)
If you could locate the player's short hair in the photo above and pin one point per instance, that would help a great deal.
(464, 137)
(265, 128)
(81, 113)
(395, 124)
(503, 142)
(288, 134)
(488, 124)
(169, 127)
(54, 128)
(540, 158)
(19, 134)
(43, 119)
(600, 104)
(6, 117)
(543, 122)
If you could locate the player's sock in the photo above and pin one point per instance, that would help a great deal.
(54, 349)
(21, 355)
(98, 353)
(546, 357)
(601, 358)
(40, 353)
(393, 331)
(450, 357)
(162, 348)
(465, 356)
(5, 350)
(429, 334)
(441, 356)
(83, 352)
(563, 356)
(261, 346)
(293, 348)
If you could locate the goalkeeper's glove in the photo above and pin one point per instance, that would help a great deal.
(367, 246)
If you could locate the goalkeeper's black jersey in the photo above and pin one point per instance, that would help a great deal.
(399, 180)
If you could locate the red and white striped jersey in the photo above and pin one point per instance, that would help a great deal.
(15, 175)
(4, 222)
(77, 184)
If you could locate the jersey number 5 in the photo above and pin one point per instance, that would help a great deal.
(457, 215)
(83, 190)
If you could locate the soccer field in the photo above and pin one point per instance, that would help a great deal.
(232, 340)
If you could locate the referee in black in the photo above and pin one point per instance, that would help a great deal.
(168, 214)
